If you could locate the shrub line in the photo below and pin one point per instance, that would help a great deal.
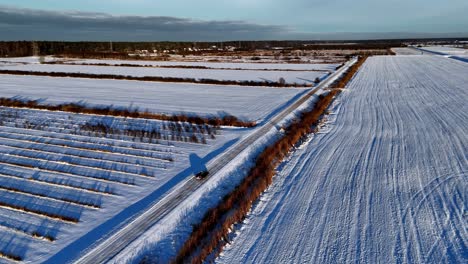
(10, 256)
(41, 213)
(125, 112)
(41, 195)
(176, 66)
(153, 78)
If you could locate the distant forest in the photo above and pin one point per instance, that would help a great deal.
(116, 49)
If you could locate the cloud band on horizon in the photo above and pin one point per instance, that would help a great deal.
(32, 24)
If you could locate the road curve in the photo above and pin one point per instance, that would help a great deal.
(110, 247)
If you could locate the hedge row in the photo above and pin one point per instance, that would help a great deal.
(124, 112)
(154, 78)
(10, 256)
(174, 66)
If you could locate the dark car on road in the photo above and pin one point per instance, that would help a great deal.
(202, 174)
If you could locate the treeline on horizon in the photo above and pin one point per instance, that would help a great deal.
(116, 49)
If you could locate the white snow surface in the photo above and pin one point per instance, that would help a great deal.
(384, 182)
(27, 60)
(250, 103)
(300, 77)
(447, 50)
(223, 65)
(406, 51)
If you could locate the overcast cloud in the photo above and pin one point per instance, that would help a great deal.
(16, 23)
(33, 24)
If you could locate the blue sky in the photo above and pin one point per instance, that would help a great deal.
(295, 18)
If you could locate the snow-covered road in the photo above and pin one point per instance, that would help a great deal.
(384, 182)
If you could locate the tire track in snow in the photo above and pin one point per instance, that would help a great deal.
(386, 184)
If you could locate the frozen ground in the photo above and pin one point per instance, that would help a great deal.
(301, 77)
(60, 179)
(250, 103)
(384, 182)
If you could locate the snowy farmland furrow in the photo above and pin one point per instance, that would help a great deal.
(170, 137)
(73, 182)
(86, 140)
(81, 145)
(48, 208)
(16, 230)
(71, 121)
(31, 224)
(53, 198)
(43, 166)
(50, 185)
(61, 128)
(24, 185)
(64, 122)
(63, 166)
(81, 161)
(69, 151)
(15, 245)
(386, 182)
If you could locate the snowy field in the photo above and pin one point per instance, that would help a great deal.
(300, 77)
(384, 181)
(61, 177)
(406, 51)
(249, 103)
(69, 178)
(447, 50)
(219, 65)
(26, 60)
